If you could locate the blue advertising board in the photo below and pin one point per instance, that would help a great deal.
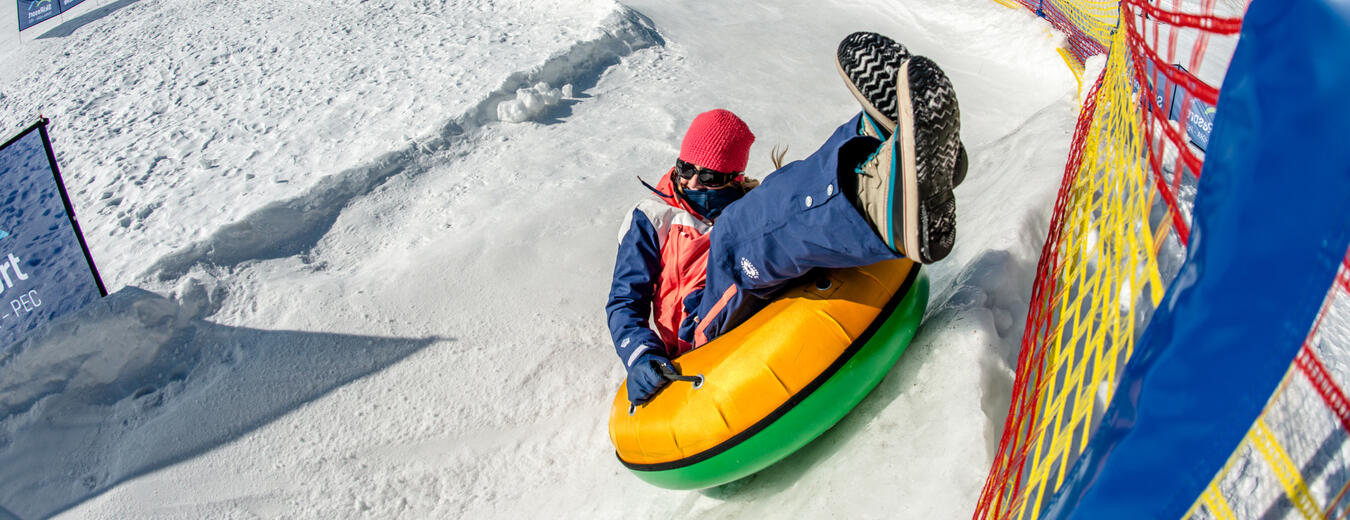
(45, 267)
(1200, 119)
(33, 12)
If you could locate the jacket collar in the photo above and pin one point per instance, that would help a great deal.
(667, 191)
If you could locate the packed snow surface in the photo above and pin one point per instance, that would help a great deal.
(360, 251)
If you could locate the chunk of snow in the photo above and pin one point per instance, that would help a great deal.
(530, 103)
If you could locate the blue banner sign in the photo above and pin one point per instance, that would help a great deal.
(33, 12)
(45, 267)
(1199, 122)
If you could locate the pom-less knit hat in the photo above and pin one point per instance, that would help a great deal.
(717, 140)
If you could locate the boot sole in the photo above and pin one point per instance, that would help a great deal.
(876, 114)
(870, 56)
(906, 169)
(929, 223)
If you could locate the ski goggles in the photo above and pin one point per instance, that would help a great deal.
(709, 178)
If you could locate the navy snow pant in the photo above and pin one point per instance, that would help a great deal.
(795, 221)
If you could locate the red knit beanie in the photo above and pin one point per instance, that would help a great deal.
(717, 140)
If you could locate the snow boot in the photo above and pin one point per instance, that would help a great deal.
(905, 188)
(870, 128)
(869, 63)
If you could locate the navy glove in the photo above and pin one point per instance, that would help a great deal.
(645, 379)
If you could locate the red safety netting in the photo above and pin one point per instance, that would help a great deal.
(1147, 24)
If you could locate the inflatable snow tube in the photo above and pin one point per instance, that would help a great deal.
(774, 383)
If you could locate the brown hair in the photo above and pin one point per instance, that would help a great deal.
(777, 156)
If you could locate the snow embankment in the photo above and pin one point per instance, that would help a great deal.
(137, 381)
(243, 105)
(290, 227)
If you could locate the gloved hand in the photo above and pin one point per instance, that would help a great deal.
(645, 379)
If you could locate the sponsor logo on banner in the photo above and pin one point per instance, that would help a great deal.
(40, 8)
(1199, 119)
(1200, 124)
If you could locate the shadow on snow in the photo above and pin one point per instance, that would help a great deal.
(136, 382)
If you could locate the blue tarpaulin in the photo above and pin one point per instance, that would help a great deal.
(45, 268)
(1270, 231)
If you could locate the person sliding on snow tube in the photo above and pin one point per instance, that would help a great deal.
(663, 247)
(878, 188)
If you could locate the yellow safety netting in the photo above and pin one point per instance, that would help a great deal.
(1104, 260)
(1114, 245)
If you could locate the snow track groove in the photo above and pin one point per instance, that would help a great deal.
(292, 227)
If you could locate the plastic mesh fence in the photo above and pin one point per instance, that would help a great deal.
(1117, 235)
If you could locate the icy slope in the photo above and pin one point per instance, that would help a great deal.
(417, 331)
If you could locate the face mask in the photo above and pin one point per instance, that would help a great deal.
(710, 203)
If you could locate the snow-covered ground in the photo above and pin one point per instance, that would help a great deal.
(345, 288)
